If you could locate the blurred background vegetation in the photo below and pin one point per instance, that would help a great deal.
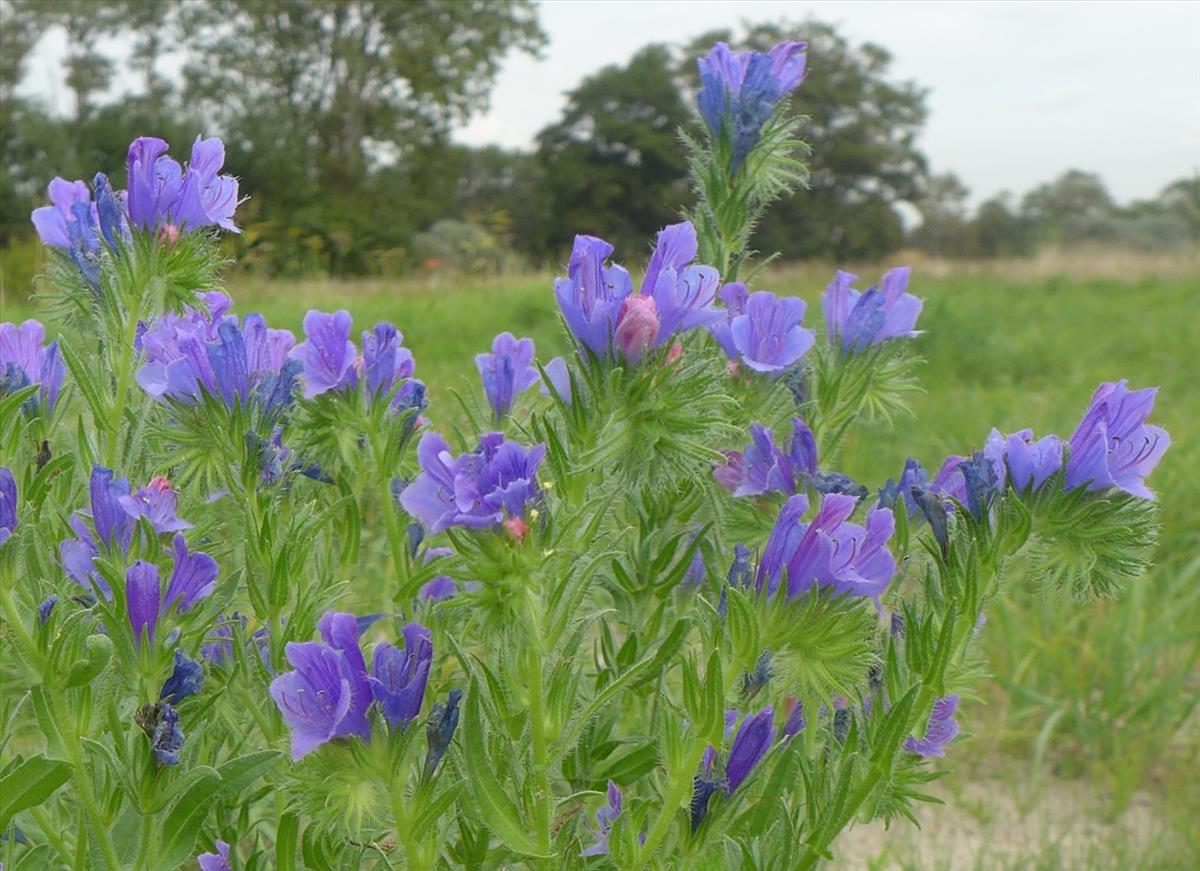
(337, 117)
(1084, 751)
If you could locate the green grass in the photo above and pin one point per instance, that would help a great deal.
(1097, 695)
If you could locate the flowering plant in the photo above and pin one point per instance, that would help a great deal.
(637, 618)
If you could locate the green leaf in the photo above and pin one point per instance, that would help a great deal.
(30, 784)
(500, 814)
(237, 774)
(285, 842)
(183, 822)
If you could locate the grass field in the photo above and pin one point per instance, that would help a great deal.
(1085, 750)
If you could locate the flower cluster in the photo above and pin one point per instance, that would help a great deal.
(754, 738)
(739, 91)
(764, 468)
(859, 320)
(330, 362)
(162, 197)
(828, 551)
(26, 359)
(480, 489)
(205, 351)
(114, 513)
(328, 692)
(762, 331)
(1112, 448)
(604, 315)
(163, 194)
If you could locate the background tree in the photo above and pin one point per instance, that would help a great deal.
(1075, 207)
(613, 165)
(998, 230)
(944, 229)
(862, 127)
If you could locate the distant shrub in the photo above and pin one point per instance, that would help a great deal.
(461, 246)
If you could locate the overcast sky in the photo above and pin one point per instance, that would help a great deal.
(1019, 91)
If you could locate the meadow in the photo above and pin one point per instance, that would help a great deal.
(1085, 750)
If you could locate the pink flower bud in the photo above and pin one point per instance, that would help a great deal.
(517, 528)
(168, 235)
(675, 353)
(637, 325)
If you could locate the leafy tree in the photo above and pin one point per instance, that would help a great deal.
(943, 230)
(862, 127)
(998, 230)
(1075, 207)
(613, 165)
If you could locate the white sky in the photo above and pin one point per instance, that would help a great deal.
(1019, 91)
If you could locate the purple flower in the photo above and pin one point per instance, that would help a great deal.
(142, 594)
(110, 211)
(8, 504)
(761, 468)
(205, 351)
(324, 697)
(161, 193)
(605, 817)
(865, 319)
(327, 354)
(739, 91)
(939, 732)
(45, 608)
(77, 556)
(949, 480)
(591, 295)
(166, 741)
(983, 482)
(53, 222)
(476, 490)
(891, 493)
(205, 198)
(506, 372)
(1025, 461)
(24, 361)
(193, 577)
(637, 325)
(398, 677)
(560, 379)
(109, 517)
(592, 298)
(387, 363)
(761, 330)
(157, 502)
(220, 645)
(186, 679)
(739, 569)
(440, 588)
(753, 740)
(439, 730)
(155, 181)
(803, 451)
(218, 861)
(683, 293)
(764, 468)
(340, 631)
(828, 551)
(795, 722)
(1113, 446)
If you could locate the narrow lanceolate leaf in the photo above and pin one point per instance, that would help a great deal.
(182, 825)
(29, 784)
(499, 812)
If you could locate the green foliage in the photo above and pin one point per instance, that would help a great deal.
(612, 165)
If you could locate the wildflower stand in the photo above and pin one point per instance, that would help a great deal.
(598, 631)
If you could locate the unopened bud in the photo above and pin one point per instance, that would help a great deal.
(168, 235)
(517, 528)
(637, 326)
